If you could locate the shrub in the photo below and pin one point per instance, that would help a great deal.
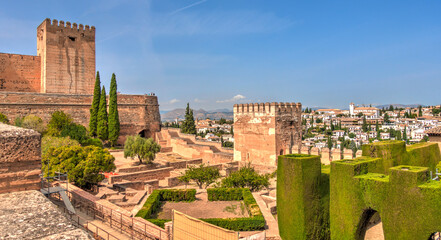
(3, 118)
(159, 222)
(74, 131)
(202, 175)
(238, 224)
(58, 121)
(32, 122)
(150, 206)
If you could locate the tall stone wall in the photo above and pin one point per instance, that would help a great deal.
(265, 131)
(68, 56)
(20, 159)
(137, 113)
(19, 73)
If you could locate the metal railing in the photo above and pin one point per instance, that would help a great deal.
(124, 223)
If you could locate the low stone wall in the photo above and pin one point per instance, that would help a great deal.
(138, 168)
(184, 163)
(142, 176)
(20, 159)
(136, 185)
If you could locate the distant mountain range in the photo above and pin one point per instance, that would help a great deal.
(399, 105)
(200, 114)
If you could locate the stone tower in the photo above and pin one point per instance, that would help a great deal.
(263, 131)
(67, 53)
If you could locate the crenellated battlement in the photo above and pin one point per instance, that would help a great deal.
(68, 25)
(273, 107)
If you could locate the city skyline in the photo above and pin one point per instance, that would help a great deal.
(214, 54)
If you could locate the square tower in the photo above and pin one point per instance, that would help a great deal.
(67, 57)
(263, 131)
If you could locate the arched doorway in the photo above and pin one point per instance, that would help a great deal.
(370, 226)
(145, 133)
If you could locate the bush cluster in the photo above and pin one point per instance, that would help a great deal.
(238, 224)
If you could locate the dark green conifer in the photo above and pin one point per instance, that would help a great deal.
(102, 127)
(93, 122)
(114, 125)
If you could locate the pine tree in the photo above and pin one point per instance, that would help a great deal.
(93, 122)
(102, 130)
(113, 112)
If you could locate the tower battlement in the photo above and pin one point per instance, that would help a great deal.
(67, 26)
(273, 107)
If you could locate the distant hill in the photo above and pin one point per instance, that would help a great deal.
(399, 105)
(201, 114)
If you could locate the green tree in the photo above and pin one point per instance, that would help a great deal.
(114, 125)
(405, 134)
(56, 124)
(33, 122)
(377, 127)
(246, 177)
(93, 122)
(3, 118)
(364, 126)
(386, 118)
(332, 126)
(75, 131)
(329, 143)
(391, 108)
(144, 149)
(188, 125)
(354, 149)
(202, 175)
(420, 111)
(83, 165)
(48, 142)
(102, 126)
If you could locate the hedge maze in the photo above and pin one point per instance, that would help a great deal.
(315, 202)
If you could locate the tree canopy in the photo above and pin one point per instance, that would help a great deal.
(188, 126)
(114, 125)
(246, 177)
(102, 125)
(83, 165)
(144, 149)
(93, 123)
(202, 175)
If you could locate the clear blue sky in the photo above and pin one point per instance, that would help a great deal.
(215, 53)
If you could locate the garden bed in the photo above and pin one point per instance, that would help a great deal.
(230, 208)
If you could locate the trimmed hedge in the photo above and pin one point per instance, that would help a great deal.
(153, 202)
(225, 194)
(256, 221)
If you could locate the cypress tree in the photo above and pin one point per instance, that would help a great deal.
(102, 130)
(113, 112)
(364, 126)
(191, 127)
(95, 106)
(377, 127)
(405, 134)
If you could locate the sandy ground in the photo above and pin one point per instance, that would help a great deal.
(122, 162)
(202, 208)
(375, 232)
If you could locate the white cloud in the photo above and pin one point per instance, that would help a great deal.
(173, 101)
(233, 99)
(197, 100)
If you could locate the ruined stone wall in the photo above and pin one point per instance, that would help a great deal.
(19, 73)
(265, 131)
(20, 159)
(68, 56)
(142, 176)
(137, 113)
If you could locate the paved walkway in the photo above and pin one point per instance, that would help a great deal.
(273, 227)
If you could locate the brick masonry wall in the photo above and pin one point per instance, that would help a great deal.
(19, 73)
(20, 159)
(142, 176)
(68, 53)
(136, 112)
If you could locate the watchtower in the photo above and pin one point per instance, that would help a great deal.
(67, 54)
(263, 131)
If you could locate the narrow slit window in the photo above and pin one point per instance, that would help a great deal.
(72, 39)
